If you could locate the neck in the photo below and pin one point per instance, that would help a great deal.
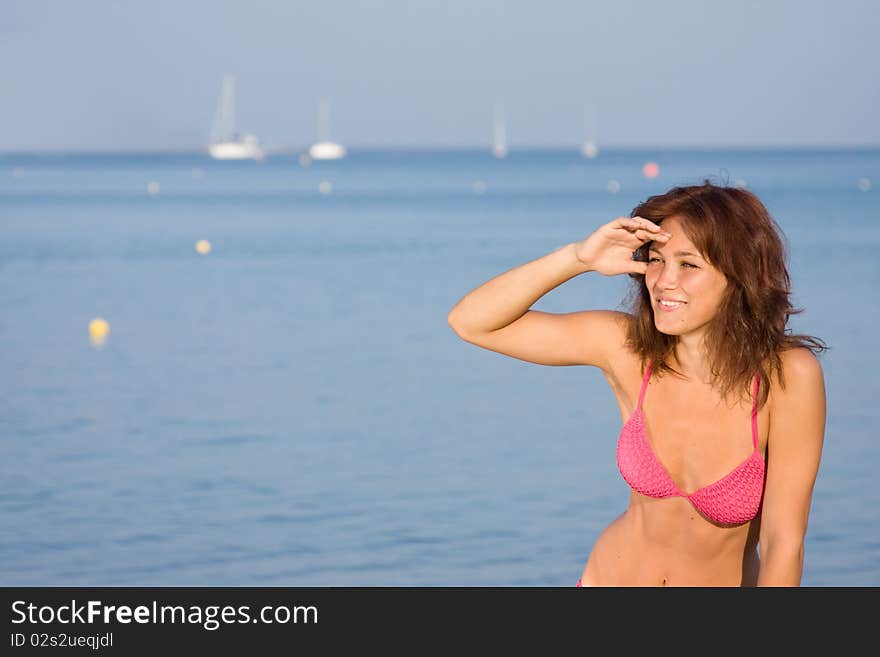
(692, 359)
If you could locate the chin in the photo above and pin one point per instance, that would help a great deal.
(671, 330)
(680, 330)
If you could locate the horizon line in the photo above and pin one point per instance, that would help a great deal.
(296, 150)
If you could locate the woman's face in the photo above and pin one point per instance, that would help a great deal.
(677, 272)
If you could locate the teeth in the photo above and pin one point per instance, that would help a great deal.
(671, 304)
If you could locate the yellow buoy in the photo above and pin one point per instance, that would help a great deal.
(203, 247)
(99, 329)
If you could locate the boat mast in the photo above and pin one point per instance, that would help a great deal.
(229, 108)
(323, 119)
(499, 132)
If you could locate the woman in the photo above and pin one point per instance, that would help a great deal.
(723, 410)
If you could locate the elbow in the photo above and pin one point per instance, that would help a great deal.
(460, 331)
(454, 324)
(462, 326)
(788, 540)
(788, 549)
(450, 319)
(782, 563)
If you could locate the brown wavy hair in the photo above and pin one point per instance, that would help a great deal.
(733, 230)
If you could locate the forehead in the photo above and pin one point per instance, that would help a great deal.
(679, 245)
(678, 250)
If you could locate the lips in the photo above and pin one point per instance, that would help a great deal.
(665, 308)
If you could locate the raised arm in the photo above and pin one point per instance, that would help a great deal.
(794, 449)
(497, 316)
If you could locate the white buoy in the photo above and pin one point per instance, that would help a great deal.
(590, 150)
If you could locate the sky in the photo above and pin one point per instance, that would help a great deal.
(116, 75)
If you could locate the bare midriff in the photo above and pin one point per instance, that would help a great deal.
(666, 542)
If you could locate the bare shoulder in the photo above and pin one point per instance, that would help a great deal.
(801, 393)
(801, 370)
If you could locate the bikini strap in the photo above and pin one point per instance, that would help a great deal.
(644, 384)
(755, 414)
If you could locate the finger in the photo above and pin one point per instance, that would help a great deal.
(647, 224)
(640, 267)
(632, 225)
(648, 236)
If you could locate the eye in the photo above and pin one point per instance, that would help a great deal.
(684, 264)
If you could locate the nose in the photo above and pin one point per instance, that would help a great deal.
(667, 279)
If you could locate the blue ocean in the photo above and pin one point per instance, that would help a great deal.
(275, 398)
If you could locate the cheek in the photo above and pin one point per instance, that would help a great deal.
(709, 302)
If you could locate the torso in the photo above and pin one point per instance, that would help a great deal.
(698, 438)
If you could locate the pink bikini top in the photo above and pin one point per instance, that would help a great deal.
(733, 499)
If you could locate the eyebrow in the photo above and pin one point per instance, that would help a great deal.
(678, 253)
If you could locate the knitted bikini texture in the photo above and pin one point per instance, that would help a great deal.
(733, 499)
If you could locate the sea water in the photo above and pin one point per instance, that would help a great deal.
(289, 407)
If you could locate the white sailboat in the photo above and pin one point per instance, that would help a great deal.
(226, 143)
(499, 132)
(324, 148)
(589, 147)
